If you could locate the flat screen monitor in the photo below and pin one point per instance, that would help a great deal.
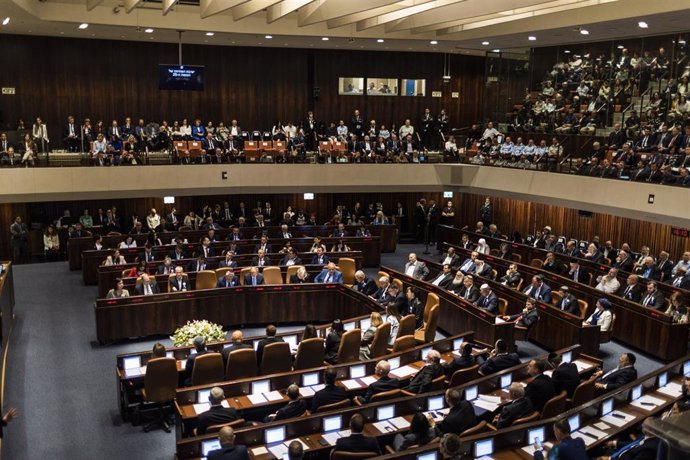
(485, 447)
(273, 435)
(425, 351)
(567, 356)
(168, 200)
(308, 196)
(133, 362)
(471, 393)
(382, 86)
(427, 456)
(411, 87)
(636, 392)
(574, 422)
(209, 445)
(663, 379)
(607, 406)
(332, 423)
(350, 86)
(535, 435)
(180, 77)
(394, 362)
(506, 380)
(350, 326)
(686, 368)
(364, 323)
(457, 343)
(447, 194)
(291, 340)
(435, 402)
(310, 378)
(169, 354)
(202, 396)
(261, 386)
(358, 371)
(385, 412)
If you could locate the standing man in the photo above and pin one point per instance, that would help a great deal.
(19, 236)
(427, 123)
(432, 219)
(448, 214)
(420, 220)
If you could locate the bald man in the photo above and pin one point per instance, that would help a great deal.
(236, 339)
(330, 274)
(228, 450)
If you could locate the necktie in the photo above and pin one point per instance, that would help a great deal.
(328, 279)
(575, 275)
(148, 289)
(627, 291)
(647, 300)
(253, 280)
(677, 281)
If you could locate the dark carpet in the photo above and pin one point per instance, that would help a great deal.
(63, 382)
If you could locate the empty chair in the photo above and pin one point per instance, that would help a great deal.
(160, 384)
(407, 325)
(584, 305)
(537, 263)
(583, 393)
(347, 268)
(272, 275)
(348, 350)
(404, 343)
(530, 418)
(517, 258)
(336, 405)
(554, 406)
(399, 283)
(207, 369)
(216, 428)
(309, 354)
(276, 358)
(241, 364)
(502, 306)
(478, 428)
(378, 277)
(206, 279)
(383, 396)
(428, 332)
(464, 375)
(379, 346)
(431, 300)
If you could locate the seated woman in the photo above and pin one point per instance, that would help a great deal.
(28, 151)
(51, 244)
(393, 317)
(602, 315)
(333, 341)
(130, 151)
(340, 246)
(98, 151)
(115, 259)
(380, 219)
(118, 291)
(375, 321)
(85, 219)
(129, 242)
(137, 271)
(420, 433)
(451, 150)
(309, 332)
(300, 277)
(678, 308)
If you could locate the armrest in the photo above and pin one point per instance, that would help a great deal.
(389, 449)
(490, 427)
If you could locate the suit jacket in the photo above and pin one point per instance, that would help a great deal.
(489, 303)
(366, 287)
(296, 261)
(453, 260)
(625, 266)
(421, 271)
(519, 408)
(472, 295)
(179, 284)
(618, 378)
(657, 300)
(459, 418)
(262, 344)
(543, 293)
(570, 449)
(214, 416)
(194, 266)
(248, 279)
(539, 391)
(634, 293)
(654, 273)
(665, 269)
(446, 279)
(222, 282)
(385, 383)
(337, 277)
(416, 308)
(328, 395)
(139, 289)
(512, 280)
(331, 347)
(266, 261)
(459, 362)
(233, 347)
(499, 362)
(229, 453)
(553, 267)
(525, 319)
(421, 381)
(569, 304)
(357, 442)
(582, 276)
(224, 263)
(315, 260)
(565, 377)
(267, 248)
(292, 409)
(381, 296)
(162, 270)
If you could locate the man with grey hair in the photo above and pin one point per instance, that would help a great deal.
(384, 383)
(415, 268)
(432, 370)
(365, 285)
(228, 449)
(381, 295)
(217, 413)
(295, 407)
(519, 407)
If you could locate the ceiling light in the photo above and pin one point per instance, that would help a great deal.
(325, 39)
(83, 25)
(642, 25)
(268, 37)
(496, 50)
(584, 31)
(567, 51)
(6, 21)
(485, 43)
(380, 40)
(531, 38)
(210, 34)
(620, 47)
(149, 30)
(433, 42)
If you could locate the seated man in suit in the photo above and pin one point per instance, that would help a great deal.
(457, 285)
(357, 442)
(291, 258)
(541, 388)
(487, 300)
(460, 416)
(178, 253)
(263, 244)
(329, 275)
(319, 258)
(450, 258)
(577, 273)
(260, 259)
(147, 256)
(236, 343)
(416, 269)
(253, 278)
(444, 278)
(200, 348)
(330, 393)
(147, 286)
(623, 374)
(568, 301)
(384, 383)
(527, 317)
(469, 291)
(197, 265)
(228, 262)
(499, 359)
(631, 290)
(270, 338)
(432, 369)
(463, 361)
(519, 407)
(363, 284)
(565, 376)
(340, 231)
(216, 414)
(381, 295)
(653, 298)
(512, 277)
(295, 407)
(482, 269)
(228, 450)
(469, 265)
(179, 282)
(648, 269)
(538, 289)
(167, 267)
(566, 447)
(228, 280)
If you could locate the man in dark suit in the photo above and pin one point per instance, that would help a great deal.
(70, 135)
(565, 375)
(271, 331)
(450, 258)
(216, 414)
(552, 265)
(340, 231)
(568, 302)
(365, 285)
(519, 407)
(512, 277)
(487, 300)
(621, 375)
(263, 244)
(463, 361)
(319, 258)
(382, 295)
(566, 447)
(260, 259)
(577, 273)
(653, 298)
(148, 286)
(228, 262)
(197, 265)
(538, 289)
(499, 359)
(631, 290)
(681, 280)
(623, 261)
(228, 449)
(200, 348)
(330, 393)
(178, 253)
(228, 280)
(571, 249)
(167, 267)
(236, 343)
(357, 442)
(469, 291)
(384, 383)
(422, 379)
(541, 388)
(444, 278)
(665, 266)
(295, 407)
(648, 269)
(460, 416)
(527, 317)
(330, 274)
(469, 265)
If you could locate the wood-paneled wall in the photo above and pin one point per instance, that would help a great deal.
(100, 79)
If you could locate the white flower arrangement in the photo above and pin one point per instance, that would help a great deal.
(185, 335)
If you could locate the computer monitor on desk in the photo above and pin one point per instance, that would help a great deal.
(274, 435)
(574, 422)
(457, 343)
(636, 392)
(427, 456)
(261, 386)
(332, 423)
(471, 393)
(535, 435)
(132, 362)
(606, 406)
(208, 446)
(663, 379)
(686, 368)
(506, 380)
(358, 371)
(484, 447)
(567, 356)
(202, 396)
(291, 340)
(385, 412)
(435, 402)
(310, 378)
(394, 362)
(425, 351)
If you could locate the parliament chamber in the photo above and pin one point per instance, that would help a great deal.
(320, 229)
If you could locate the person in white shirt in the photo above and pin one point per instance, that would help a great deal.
(186, 130)
(609, 283)
(129, 242)
(406, 129)
(490, 132)
(153, 220)
(342, 131)
(482, 247)
(602, 316)
(451, 147)
(684, 263)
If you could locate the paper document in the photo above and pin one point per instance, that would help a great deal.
(273, 396)
(306, 392)
(593, 432)
(530, 449)
(384, 427)
(259, 451)
(673, 389)
(368, 380)
(351, 384)
(200, 408)
(617, 420)
(491, 399)
(499, 320)
(602, 426)
(400, 423)
(331, 438)
(587, 439)
(647, 402)
(485, 405)
(257, 398)
(278, 450)
(403, 371)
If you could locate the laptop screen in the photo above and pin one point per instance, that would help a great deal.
(358, 371)
(133, 362)
(427, 456)
(202, 396)
(276, 434)
(457, 343)
(333, 423)
(385, 412)
(636, 392)
(394, 362)
(506, 380)
(535, 435)
(567, 356)
(663, 379)
(485, 447)
(261, 386)
(574, 422)
(209, 445)
(435, 402)
(291, 340)
(169, 354)
(471, 393)
(310, 378)
(425, 351)
(607, 406)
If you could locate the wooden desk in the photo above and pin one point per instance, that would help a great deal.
(388, 235)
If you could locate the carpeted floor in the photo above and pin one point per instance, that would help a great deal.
(63, 382)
